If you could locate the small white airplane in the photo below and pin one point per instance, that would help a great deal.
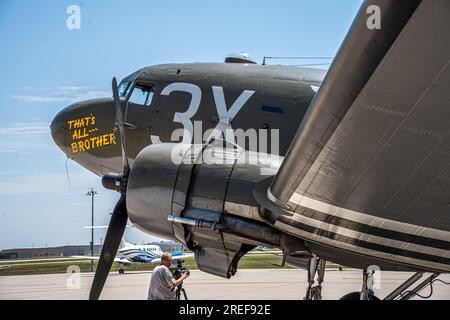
(134, 253)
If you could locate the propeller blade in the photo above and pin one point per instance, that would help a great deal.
(113, 237)
(120, 124)
(119, 217)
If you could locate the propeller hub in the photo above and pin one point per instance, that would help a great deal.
(112, 181)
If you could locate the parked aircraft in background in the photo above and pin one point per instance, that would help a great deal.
(136, 253)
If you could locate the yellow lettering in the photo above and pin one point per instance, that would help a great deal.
(78, 135)
(112, 138)
(99, 142)
(87, 144)
(81, 146)
(92, 140)
(74, 147)
(92, 120)
(105, 141)
(85, 135)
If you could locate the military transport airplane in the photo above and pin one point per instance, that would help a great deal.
(363, 181)
(137, 253)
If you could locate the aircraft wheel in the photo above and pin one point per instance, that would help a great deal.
(357, 296)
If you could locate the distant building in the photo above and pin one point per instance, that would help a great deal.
(63, 251)
(67, 251)
(170, 246)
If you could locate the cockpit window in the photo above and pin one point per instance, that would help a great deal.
(123, 88)
(142, 94)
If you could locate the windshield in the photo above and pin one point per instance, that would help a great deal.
(142, 94)
(123, 88)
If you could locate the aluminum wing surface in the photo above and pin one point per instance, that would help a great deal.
(367, 177)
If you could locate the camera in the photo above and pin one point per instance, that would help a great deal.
(180, 270)
(177, 273)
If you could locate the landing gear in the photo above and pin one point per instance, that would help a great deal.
(357, 296)
(367, 288)
(317, 266)
(401, 293)
(121, 271)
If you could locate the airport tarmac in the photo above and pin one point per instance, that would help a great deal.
(260, 284)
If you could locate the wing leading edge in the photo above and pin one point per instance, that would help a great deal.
(366, 180)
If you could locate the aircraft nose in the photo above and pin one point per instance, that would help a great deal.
(58, 129)
(85, 127)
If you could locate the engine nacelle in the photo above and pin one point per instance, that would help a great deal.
(151, 185)
(202, 196)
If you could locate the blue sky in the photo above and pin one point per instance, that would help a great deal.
(45, 66)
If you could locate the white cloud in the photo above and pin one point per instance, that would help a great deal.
(67, 94)
(14, 151)
(46, 183)
(69, 88)
(26, 138)
(26, 129)
(89, 95)
(40, 99)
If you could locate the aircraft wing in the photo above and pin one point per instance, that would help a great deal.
(121, 260)
(367, 177)
(175, 257)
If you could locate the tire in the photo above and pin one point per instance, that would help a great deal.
(357, 296)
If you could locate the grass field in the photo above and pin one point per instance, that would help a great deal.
(250, 261)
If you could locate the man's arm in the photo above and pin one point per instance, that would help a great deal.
(180, 279)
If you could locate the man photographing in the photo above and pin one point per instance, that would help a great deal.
(162, 283)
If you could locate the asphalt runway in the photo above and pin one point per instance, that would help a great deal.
(246, 284)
